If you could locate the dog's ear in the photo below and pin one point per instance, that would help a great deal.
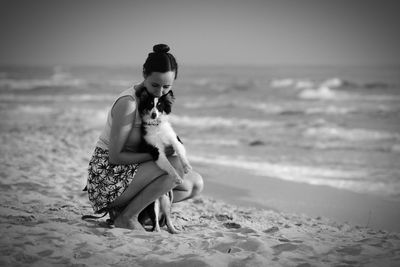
(168, 99)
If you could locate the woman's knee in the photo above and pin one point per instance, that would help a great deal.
(197, 183)
(193, 184)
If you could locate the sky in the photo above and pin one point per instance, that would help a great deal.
(203, 32)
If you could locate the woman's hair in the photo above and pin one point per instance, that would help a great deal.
(160, 61)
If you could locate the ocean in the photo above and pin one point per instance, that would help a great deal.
(332, 126)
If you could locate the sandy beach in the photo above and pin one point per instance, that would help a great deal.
(45, 150)
(289, 110)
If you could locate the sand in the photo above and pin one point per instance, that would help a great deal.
(40, 231)
(43, 160)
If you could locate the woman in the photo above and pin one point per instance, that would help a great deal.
(121, 177)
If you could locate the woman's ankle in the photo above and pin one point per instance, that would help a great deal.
(128, 222)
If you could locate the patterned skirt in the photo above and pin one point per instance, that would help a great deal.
(107, 181)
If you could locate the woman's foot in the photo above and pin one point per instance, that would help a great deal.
(128, 223)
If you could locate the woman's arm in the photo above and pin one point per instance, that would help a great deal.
(123, 114)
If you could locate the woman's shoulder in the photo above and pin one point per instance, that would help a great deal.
(125, 102)
(128, 92)
(124, 106)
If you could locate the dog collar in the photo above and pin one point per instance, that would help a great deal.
(156, 123)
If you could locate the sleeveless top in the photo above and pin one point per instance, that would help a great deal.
(104, 139)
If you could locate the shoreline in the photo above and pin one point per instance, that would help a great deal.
(341, 205)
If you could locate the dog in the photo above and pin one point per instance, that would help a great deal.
(157, 135)
(158, 213)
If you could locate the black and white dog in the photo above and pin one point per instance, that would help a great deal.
(158, 134)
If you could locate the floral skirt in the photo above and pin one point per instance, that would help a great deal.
(107, 181)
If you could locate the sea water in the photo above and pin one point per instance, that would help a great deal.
(333, 126)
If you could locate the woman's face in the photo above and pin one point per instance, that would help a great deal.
(159, 83)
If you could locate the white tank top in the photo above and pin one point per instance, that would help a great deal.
(104, 139)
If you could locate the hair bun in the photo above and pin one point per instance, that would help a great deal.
(161, 48)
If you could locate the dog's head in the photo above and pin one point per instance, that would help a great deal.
(152, 108)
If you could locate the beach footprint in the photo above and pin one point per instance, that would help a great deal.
(232, 225)
(271, 230)
(350, 250)
(278, 249)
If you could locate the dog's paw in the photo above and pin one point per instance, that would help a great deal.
(187, 168)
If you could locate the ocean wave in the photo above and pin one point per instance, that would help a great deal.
(29, 84)
(201, 103)
(214, 122)
(34, 109)
(303, 84)
(334, 83)
(349, 134)
(214, 141)
(355, 180)
(285, 108)
(279, 83)
(71, 112)
(313, 90)
(395, 148)
(57, 98)
(292, 83)
(320, 93)
(330, 110)
(59, 78)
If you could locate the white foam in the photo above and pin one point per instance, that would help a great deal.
(213, 122)
(354, 180)
(59, 78)
(332, 83)
(214, 141)
(278, 83)
(320, 93)
(34, 109)
(264, 107)
(294, 83)
(57, 98)
(303, 84)
(29, 84)
(267, 108)
(330, 110)
(349, 134)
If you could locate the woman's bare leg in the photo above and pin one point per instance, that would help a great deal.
(192, 186)
(149, 183)
(129, 216)
(146, 174)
